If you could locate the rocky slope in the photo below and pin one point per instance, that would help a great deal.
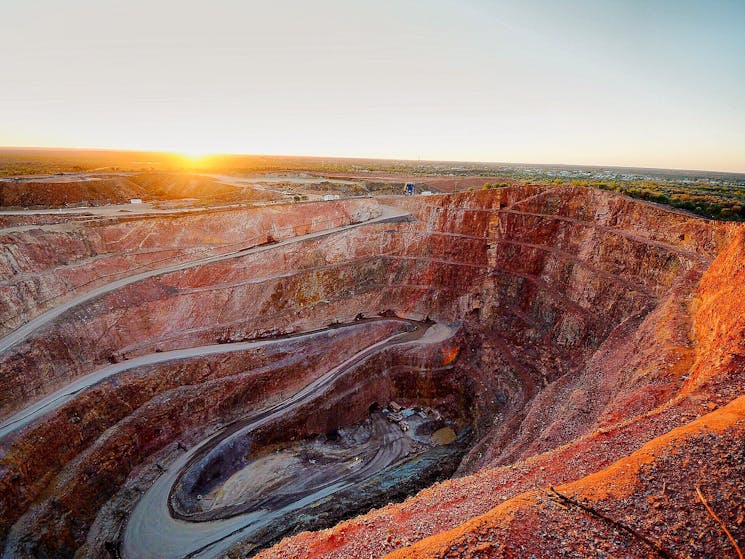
(49, 259)
(625, 435)
(600, 350)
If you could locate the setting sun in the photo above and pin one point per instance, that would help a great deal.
(195, 158)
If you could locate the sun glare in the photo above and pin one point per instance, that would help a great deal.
(195, 158)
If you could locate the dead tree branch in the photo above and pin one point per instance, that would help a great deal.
(719, 520)
(655, 546)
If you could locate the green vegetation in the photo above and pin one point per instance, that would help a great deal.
(715, 195)
(708, 200)
(715, 201)
(493, 185)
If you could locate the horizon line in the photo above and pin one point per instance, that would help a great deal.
(351, 157)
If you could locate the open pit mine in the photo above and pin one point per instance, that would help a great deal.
(527, 372)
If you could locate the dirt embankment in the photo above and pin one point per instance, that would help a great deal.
(98, 190)
(601, 352)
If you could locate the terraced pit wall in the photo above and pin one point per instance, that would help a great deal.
(558, 290)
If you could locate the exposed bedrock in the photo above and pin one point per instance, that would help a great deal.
(587, 325)
(43, 265)
(625, 415)
(404, 373)
(171, 396)
(411, 265)
(55, 524)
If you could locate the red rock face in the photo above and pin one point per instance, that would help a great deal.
(661, 318)
(597, 334)
(46, 265)
(130, 315)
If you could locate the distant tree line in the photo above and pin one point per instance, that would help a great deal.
(493, 185)
(712, 201)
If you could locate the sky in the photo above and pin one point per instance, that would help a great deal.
(651, 83)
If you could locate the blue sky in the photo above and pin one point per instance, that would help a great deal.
(655, 83)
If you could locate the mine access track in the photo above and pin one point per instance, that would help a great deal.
(23, 332)
(153, 531)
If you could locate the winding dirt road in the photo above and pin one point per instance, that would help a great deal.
(152, 530)
(57, 399)
(21, 333)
